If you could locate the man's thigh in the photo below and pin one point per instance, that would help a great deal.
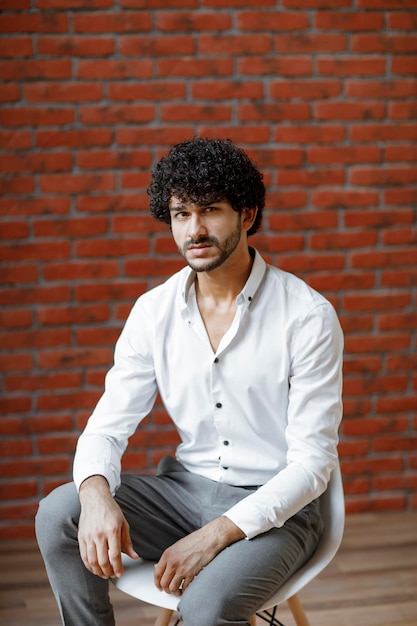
(243, 576)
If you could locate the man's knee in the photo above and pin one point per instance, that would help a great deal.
(57, 517)
(201, 608)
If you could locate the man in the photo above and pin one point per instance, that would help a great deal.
(247, 360)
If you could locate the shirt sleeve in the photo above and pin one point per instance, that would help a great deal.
(313, 418)
(129, 395)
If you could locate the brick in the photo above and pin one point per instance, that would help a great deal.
(105, 292)
(74, 227)
(35, 206)
(17, 185)
(335, 240)
(371, 44)
(307, 42)
(337, 281)
(397, 321)
(70, 314)
(379, 218)
(20, 274)
(112, 203)
(135, 180)
(350, 110)
(402, 20)
(383, 132)
(74, 46)
(195, 113)
(74, 138)
(15, 229)
(75, 357)
(117, 114)
(34, 23)
(301, 220)
(74, 4)
(383, 176)
(102, 69)
(192, 21)
(245, 135)
(149, 91)
(42, 162)
(400, 196)
(275, 65)
(16, 318)
(285, 200)
(311, 178)
(235, 45)
(351, 66)
(64, 401)
(382, 343)
(113, 159)
(376, 301)
(20, 296)
(399, 236)
(39, 116)
(34, 251)
(15, 447)
(391, 404)
(344, 198)
(150, 46)
(67, 380)
(306, 90)
(348, 21)
(309, 134)
(261, 111)
(343, 154)
(186, 67)
(15, 140)
(75, 183)
(14, 47)
(35, 338)
(404, 65)
(286, 157)
(227, 90)
(401, 152)
(63, 92)
(356, 322)
(152, 267)
(121, 22)
(10, 92)
(98, 336)
(19, 490)
(308, 263)
(384, 259)
(402, 111)
(35, 69)
(271, 20)
(381, 89)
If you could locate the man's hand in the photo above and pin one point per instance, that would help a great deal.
(181, 562)
(103, 532)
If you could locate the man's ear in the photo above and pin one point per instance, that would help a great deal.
(248, 217)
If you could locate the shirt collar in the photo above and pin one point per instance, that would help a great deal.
(249, 291)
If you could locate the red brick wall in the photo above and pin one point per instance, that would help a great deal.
(322, 93)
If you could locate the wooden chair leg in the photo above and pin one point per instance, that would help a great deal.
(297, 611)
(164, 617)
(252, 621)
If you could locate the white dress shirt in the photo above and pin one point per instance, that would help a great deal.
(263, 410)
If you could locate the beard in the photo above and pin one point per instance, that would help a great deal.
(225, 248)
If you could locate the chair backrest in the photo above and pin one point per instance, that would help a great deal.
(332, 506)
(137, 579)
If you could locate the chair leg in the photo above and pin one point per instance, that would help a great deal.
(297, 611)
(252, 621)
(164, 617)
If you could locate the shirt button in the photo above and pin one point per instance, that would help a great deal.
(225, 443)
(216, 360)
(219, 405)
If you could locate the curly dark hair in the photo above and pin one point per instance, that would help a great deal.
(203, 170)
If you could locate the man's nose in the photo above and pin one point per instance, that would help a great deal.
(196, 227)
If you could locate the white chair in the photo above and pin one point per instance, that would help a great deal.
(137, 579)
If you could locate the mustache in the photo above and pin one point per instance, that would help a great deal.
(199, 241)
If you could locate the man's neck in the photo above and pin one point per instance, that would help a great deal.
(220, 287)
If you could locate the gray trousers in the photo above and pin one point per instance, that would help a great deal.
(160, 510)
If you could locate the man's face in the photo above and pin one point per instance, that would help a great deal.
(206, 235)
